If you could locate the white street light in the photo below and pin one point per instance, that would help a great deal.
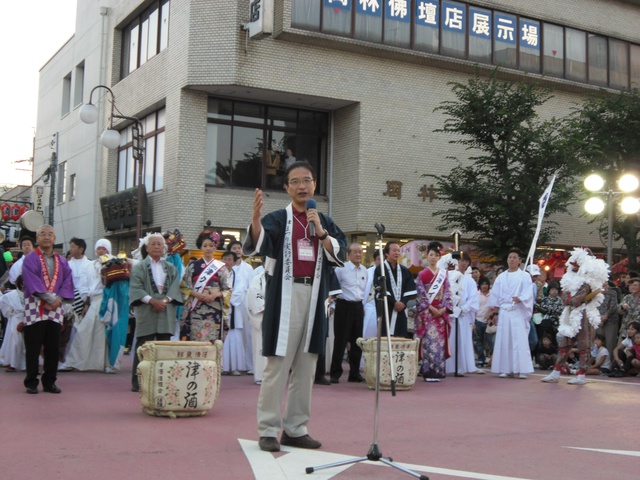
(89, 113)
(594, 182)
(594, 206)
(630, 205)
(627, 183)
(111, 139)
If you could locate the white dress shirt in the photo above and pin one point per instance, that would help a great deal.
(352, 281)
(159, 276)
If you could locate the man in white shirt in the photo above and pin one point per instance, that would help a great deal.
(349, 315)
(27, 246)
(82, 270)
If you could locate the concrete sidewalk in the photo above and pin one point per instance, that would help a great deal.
(478, 426)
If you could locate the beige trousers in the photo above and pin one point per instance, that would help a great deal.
(302, 365)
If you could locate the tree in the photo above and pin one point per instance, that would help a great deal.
(513, 157)
(605, 134)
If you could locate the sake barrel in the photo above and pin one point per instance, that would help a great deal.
(179, 379)
(404, 353)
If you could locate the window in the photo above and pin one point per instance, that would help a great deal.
(635, 66)
(553, 41)
(66, 95)
(145, 36)
(480, 35)
(529, 45)
(505, 38)
(453, 29)
(336, 16)
(427, 28)
(78, 87)
(598, 60)
(153, 165)
(618, 64)
(249, 145)
(306, 14)
(72, 186)
(576, 60)
(397, 23)
(466, 31)
(61, 182)
(369, 21)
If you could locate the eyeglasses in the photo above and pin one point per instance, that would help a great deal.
(295, 182)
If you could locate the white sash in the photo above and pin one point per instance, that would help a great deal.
(436, 285)
(203, 279)
(396, 288)
(287, 288)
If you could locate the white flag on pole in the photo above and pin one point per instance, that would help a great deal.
(544, 200)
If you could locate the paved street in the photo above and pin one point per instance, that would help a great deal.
(479, 427)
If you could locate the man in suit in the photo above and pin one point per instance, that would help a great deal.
(155, 292)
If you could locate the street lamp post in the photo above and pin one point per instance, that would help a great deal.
(629, 205)
(111, 139)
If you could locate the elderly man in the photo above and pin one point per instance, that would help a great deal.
(154, 290)
(47, 284)
(349, 315)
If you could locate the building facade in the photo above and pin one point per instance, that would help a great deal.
(349, 85)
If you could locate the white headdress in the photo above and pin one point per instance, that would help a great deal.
(591, 271)
(103, 242)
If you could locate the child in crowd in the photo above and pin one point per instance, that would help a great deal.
(632, 365)
(622, 351)
(602, 363)
(547, 353)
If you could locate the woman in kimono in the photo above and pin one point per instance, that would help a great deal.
(203, 284)
(12, 353)
(432, 322)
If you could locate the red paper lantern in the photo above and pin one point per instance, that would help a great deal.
(6, 211)
(24, 209)
(15, 212)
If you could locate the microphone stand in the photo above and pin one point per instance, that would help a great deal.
(375, 454)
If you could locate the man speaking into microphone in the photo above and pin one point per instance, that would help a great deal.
(300, 245)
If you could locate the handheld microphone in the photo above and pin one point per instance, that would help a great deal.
(311, 203)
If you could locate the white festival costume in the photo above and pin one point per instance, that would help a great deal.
(88, 350)
(511, 352)
(468, 305)
(12, 352)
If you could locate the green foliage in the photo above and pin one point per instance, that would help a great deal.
(513, 157)
(605, 134)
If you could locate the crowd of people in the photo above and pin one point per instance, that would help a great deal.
(84, 314)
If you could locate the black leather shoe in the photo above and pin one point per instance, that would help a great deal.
(135, 388)
(32, 390)
(358, 379)
(51, 389)
(322, 381)
(269, 444)
(305, 441)
(335, 380)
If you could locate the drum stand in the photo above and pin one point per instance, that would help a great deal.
(375, 454)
